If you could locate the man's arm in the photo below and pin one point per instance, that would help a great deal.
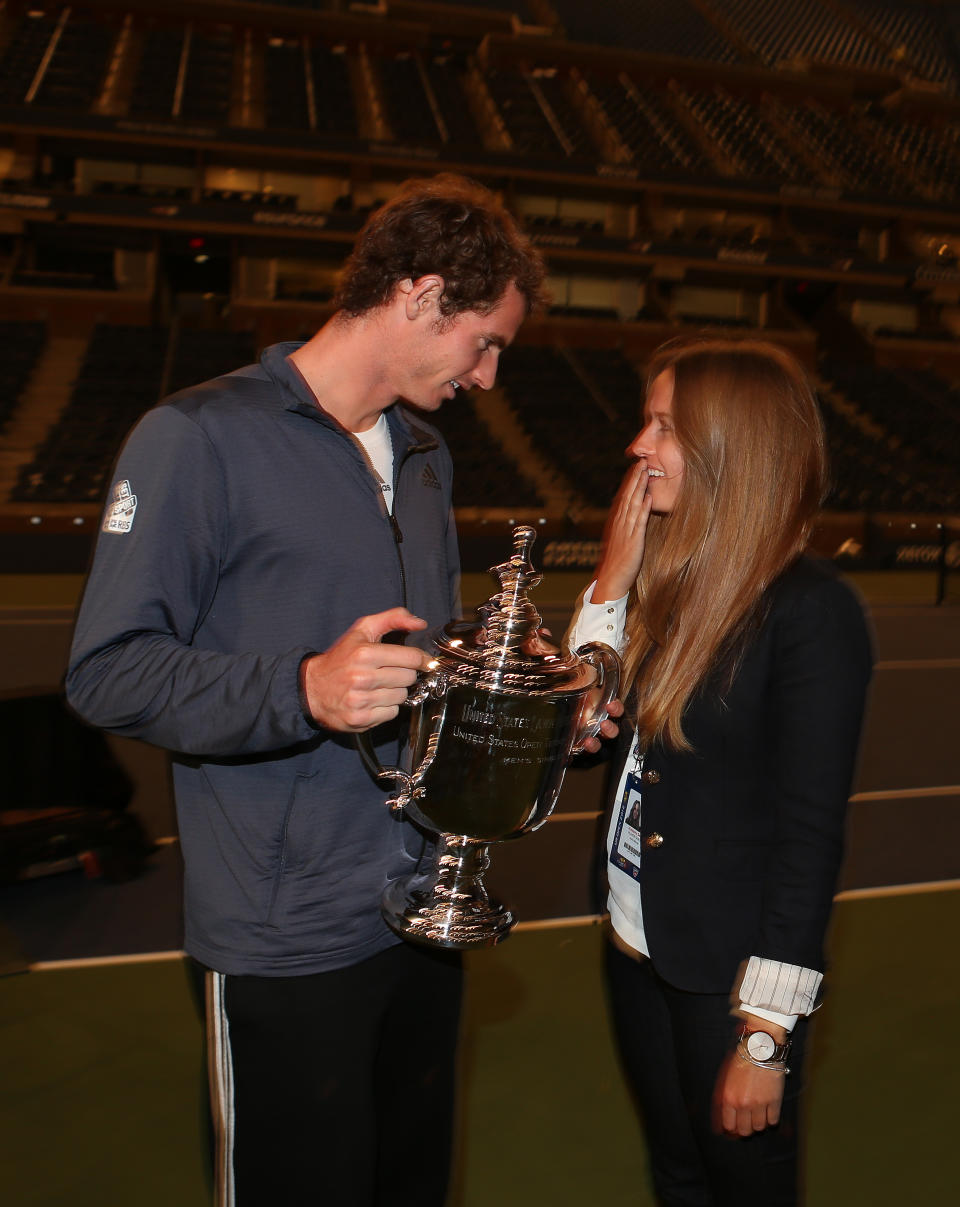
(133, 668)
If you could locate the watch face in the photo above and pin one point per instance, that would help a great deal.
(760, 1045)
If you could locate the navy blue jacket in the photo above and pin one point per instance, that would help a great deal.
(246, 530)
(743, 837)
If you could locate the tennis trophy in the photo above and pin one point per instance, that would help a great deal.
(493, 725)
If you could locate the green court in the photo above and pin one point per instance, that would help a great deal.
(103, 1085)
(103, 1092)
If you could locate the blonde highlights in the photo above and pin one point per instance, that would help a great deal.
(748, 425)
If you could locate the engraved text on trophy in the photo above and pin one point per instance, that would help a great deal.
(499, 763)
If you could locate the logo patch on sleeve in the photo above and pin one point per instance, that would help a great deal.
(121, 510)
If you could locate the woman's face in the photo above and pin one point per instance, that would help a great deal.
(656, 445)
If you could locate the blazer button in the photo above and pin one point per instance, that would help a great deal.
(651, 777)
(653, 840)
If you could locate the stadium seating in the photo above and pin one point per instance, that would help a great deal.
(567, 421)
(641, 116)
(485, 475)
(919, 36)
(912, 466)
(120, 378)
(75, 71)
(208, 79)
(446, 71)
(155, 87)
(20, 346)
(639, 184)
(669, 27)
(409, 111)
(802, 30)
(23, 56)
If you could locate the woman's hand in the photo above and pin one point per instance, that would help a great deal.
(609, 729)
(746, 1098)
(625, 536)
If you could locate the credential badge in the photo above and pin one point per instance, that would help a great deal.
(120, 512)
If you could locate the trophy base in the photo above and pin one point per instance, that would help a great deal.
(448, 906)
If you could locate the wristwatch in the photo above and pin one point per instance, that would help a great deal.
(761, 1049)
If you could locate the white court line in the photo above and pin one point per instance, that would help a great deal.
(898, 890)
(856, 894)
(918, 664)
(559, 923)
(142, 957)
(913, 793)
(858, 797)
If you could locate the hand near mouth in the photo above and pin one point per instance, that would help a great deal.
(625, 536)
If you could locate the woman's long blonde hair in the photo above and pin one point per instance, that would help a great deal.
(748, 425)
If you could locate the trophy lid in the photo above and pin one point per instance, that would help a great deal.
(504, 648)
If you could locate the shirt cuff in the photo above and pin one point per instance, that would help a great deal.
(787, 1021)
(781, 989)
(599, 622)
(302, 692)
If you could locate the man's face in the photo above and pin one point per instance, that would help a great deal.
(462, 352)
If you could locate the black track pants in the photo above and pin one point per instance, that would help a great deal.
(336, 1089)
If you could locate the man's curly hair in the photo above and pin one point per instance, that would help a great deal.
(446, 225)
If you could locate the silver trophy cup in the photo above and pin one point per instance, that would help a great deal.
(493, 726)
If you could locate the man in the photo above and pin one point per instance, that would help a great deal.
(267, 531)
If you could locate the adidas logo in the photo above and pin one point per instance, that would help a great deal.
(429, 478)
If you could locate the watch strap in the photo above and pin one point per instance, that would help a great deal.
(777, 1061)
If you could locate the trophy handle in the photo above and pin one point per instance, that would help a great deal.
(607, 664)
(409, 783)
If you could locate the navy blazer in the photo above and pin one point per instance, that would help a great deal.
(743, 838)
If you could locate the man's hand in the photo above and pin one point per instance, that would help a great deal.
(360, 682)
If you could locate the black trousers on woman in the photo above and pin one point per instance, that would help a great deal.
(672, 1044)
(336, 1089)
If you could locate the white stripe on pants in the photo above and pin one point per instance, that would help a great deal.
(221, 1087)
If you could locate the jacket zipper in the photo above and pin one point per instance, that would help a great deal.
(394, 522)
(392, 515)
(398, 541)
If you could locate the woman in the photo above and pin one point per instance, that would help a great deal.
(746, 665)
